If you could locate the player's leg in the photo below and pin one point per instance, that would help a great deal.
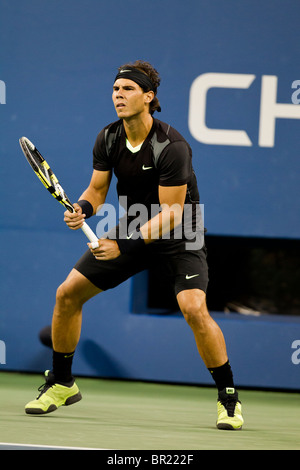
(190, 281)
(66, 322)
(60, 387)
(67, 314)
(211, 346)
(208, 336)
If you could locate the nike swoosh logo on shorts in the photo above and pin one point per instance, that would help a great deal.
(147, 167)
(190, 277)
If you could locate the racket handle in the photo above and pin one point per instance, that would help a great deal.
(89, 233)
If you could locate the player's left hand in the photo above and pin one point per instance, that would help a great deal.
(107, 249)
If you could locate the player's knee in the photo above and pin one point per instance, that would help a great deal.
(66, 296)
(191, 314)
(62, 295)
(194, 309)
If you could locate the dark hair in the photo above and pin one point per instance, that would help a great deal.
(152, 73)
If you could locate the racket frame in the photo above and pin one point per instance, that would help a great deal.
(51, 183)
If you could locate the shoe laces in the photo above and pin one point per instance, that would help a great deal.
(42, 389)
(229, 405)
(48, 384)
(229, 402)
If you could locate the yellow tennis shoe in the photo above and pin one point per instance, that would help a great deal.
(229, 410)
(52, 395)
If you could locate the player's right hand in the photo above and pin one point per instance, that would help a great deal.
(74, 220)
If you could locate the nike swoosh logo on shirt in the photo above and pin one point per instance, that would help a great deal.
(190, 277)
(147, 167)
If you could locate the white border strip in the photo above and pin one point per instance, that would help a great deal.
(38, 446)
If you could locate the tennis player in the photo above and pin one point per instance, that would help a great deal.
(153, 166)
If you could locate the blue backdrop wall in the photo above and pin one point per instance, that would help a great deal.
(230, 85)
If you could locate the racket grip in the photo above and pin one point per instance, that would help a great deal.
(89, 233)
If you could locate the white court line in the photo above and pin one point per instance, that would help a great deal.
(37, 446)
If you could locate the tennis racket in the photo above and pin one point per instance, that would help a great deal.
(49, 180)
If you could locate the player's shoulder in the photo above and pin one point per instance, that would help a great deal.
(165, 132)
(108, 135)
(168, 143)
(109, 129)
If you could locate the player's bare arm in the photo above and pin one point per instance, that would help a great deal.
(95, 194)
(171, 200)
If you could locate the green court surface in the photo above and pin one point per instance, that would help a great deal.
(125, 415)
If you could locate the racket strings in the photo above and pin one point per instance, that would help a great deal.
(44, 173)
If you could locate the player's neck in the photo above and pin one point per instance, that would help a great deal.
(137, 128)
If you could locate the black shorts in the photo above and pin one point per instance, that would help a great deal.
(185, 269)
